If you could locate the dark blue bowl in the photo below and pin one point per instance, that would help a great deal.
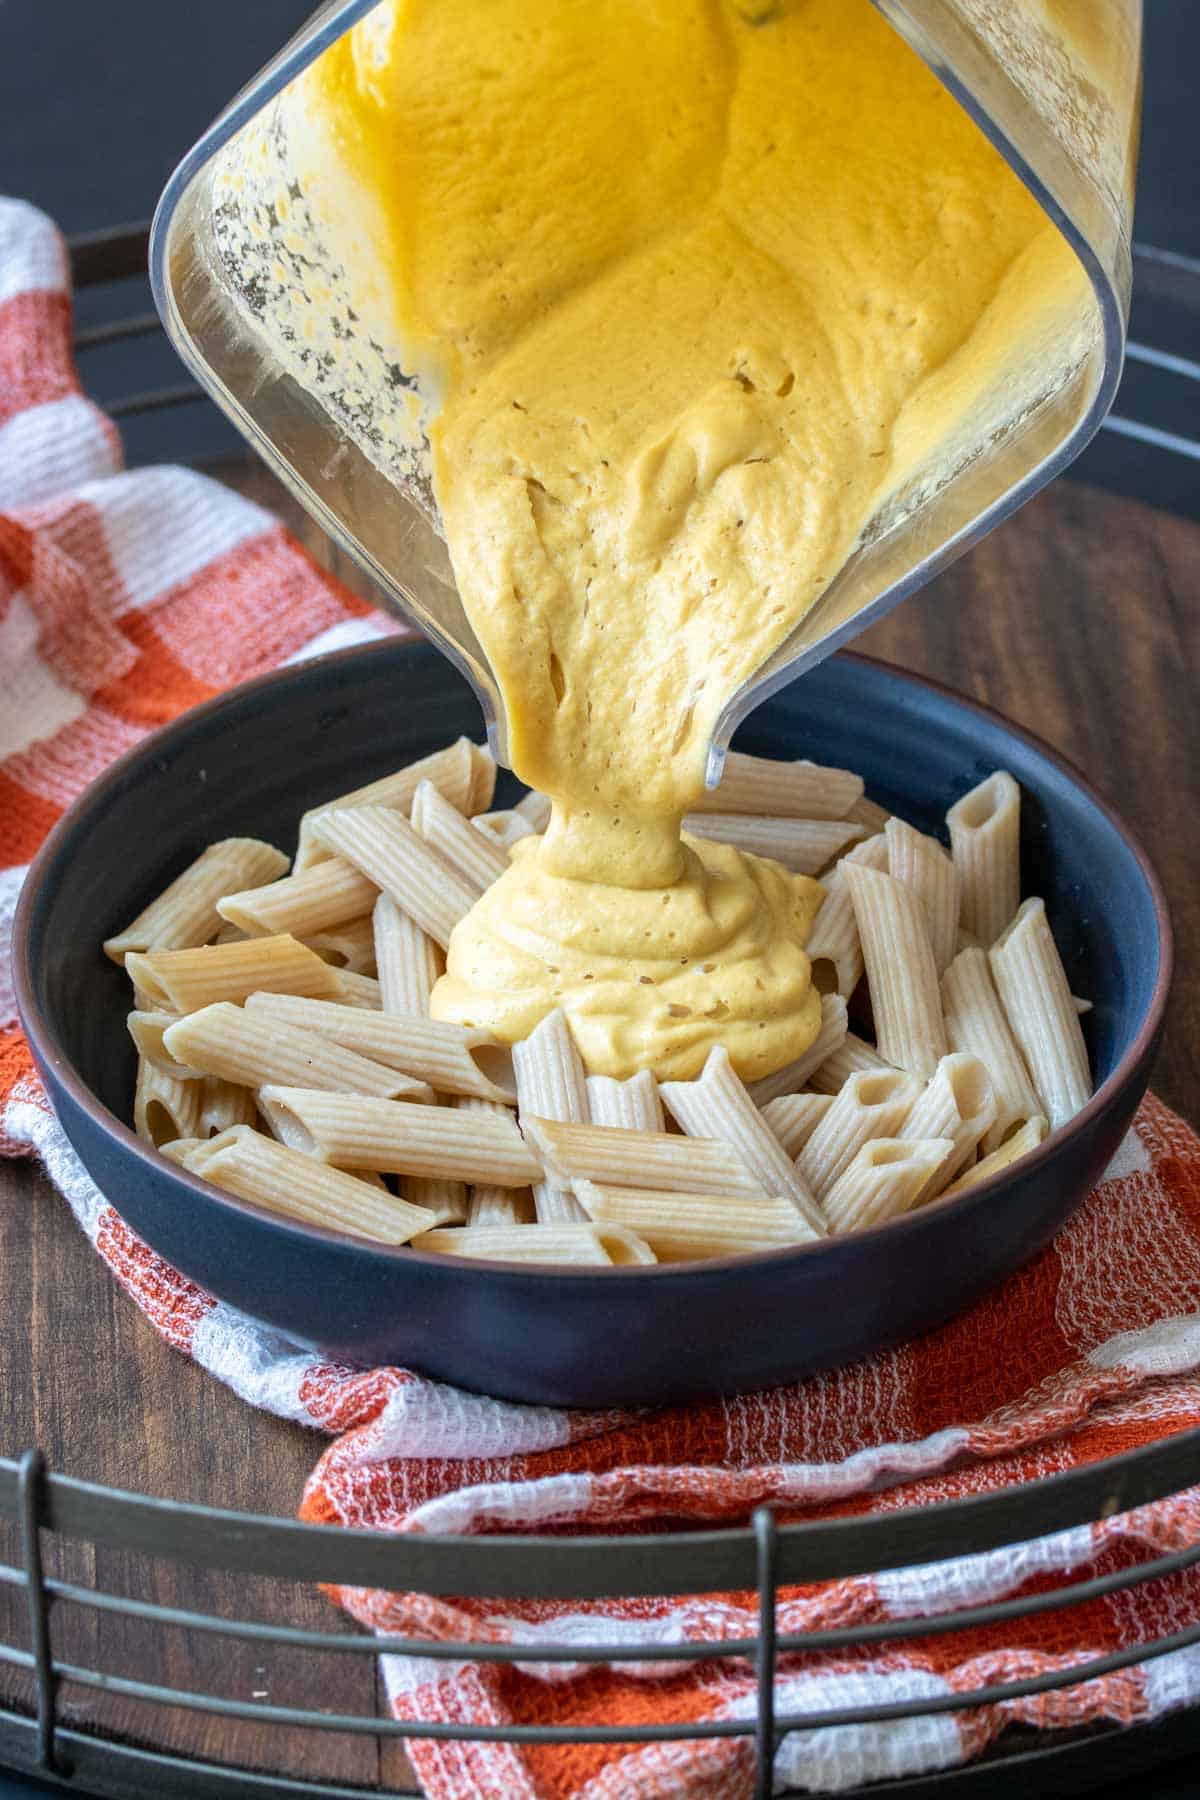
(253, 760)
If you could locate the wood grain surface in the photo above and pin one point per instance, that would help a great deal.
(1080, 618)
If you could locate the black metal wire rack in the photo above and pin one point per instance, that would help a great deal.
(760, 1557)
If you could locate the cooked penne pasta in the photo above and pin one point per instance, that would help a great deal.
(488, 1204)
(397, 1138)
(451, 1058)
(959, 1104)
(985, 837)
(868, 1106)
(920, 863)
(794, 1075)
(348, 946)
(253, 1050)
(146, 1029)
(574, 1153)
(406, 958)
(886, 1178)
(1033, 990)
(717, 1105)
(535, 807)
(182, 980)
(833, 943)
(472, 853)
(804, 845)
(905, 996)
(580, 1244)
(224, 1104)
(185, 914)
(386, 848)
(976, 1023)
(869, 813)
(356, 990)
(1022, 1141)
(634, 1104)
(454, 771)
(680, 1227)
(256, 1168)
(786, 790)
(164, 1107)
(505, 828)
(444, 1201)
(322, 896)
(853, 1056)
(483, 780)
(551, 1084)
(794, 1117)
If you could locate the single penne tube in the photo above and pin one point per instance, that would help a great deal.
(256, 1168)
(1037, 1002)
(1026, 1138)
(407, 959)
(869, 813)
(146, 1029)
(901, 971)
(853, 1056)
(386, 848)
(959, 1103)
(783, 790)
(453, 771)
(323, 896)
(505, 828)
(681, 1227)
(985, 838)
(183, 980)
(607, 1153)
(919, 862)
(886, 1178)
(356, 1131)
(794, 1117)
(976, 1024)
(164, 1107)
(717, 1105)
(224, 1104)
(803, 845)
(185, 914)
(833, 943)
(472, 853)
(873, 1105)
(793, 1076)
(483, 780)
(451, 1058)
(581, 1244)
(634, 1104)
(551, 1084)
(488, 1204)
(536, 808)
(444, 1201)
(253, 1050)
(356, 990)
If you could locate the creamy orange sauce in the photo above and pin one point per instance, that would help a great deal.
(696, 287)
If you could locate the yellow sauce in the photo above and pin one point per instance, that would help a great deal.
(695, 293)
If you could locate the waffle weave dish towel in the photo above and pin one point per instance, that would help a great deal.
(125, 597)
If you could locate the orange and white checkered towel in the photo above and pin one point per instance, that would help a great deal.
(125, 597)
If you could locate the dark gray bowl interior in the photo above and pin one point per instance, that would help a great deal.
(254, 760)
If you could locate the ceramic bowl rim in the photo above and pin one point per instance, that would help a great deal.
(47, 1050)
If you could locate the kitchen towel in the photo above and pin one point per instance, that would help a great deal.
(127, 596)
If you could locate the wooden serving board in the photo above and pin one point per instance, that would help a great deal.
(1080, 619)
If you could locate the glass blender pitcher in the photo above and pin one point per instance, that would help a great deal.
(253, 239)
